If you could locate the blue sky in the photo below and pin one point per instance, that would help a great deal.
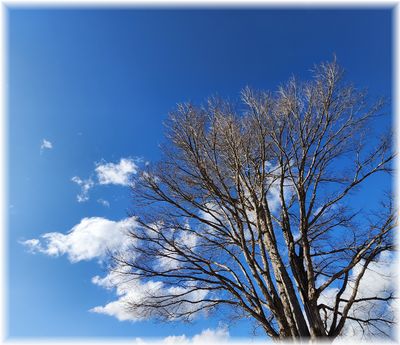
(97, 85)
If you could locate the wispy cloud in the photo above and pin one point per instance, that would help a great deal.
(91, 239)
(45, 145)
(116, 173)
(103, 202)
(85, 185)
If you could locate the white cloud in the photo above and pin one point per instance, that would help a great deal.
(46, 144)
(92, 238)
(107, 173)
(85, 185)
(327, 210)
(176, 340)
(130, 290)
(118, 174)
(207, 336)
(212, 336)
(33, 245)
(126, 290)
(170, 260)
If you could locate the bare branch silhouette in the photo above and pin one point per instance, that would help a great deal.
(252, 210)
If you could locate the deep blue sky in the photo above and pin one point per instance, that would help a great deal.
(99, 83)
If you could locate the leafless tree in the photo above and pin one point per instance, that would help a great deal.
(253, 209)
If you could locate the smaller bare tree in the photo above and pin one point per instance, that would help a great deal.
(254, 210)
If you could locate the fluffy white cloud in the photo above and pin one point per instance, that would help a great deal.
(85, 185)
(130, 290)
(92, 238)
(118, 174)
(126, 289)
(107, 173)
(46, 144)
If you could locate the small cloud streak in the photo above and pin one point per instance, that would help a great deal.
(103, 202)
(85, 185)
(45, 145)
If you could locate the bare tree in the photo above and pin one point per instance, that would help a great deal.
(252, 209)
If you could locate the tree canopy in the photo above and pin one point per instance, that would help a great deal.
(252, 209)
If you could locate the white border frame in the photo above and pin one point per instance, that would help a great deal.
(4, 207)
